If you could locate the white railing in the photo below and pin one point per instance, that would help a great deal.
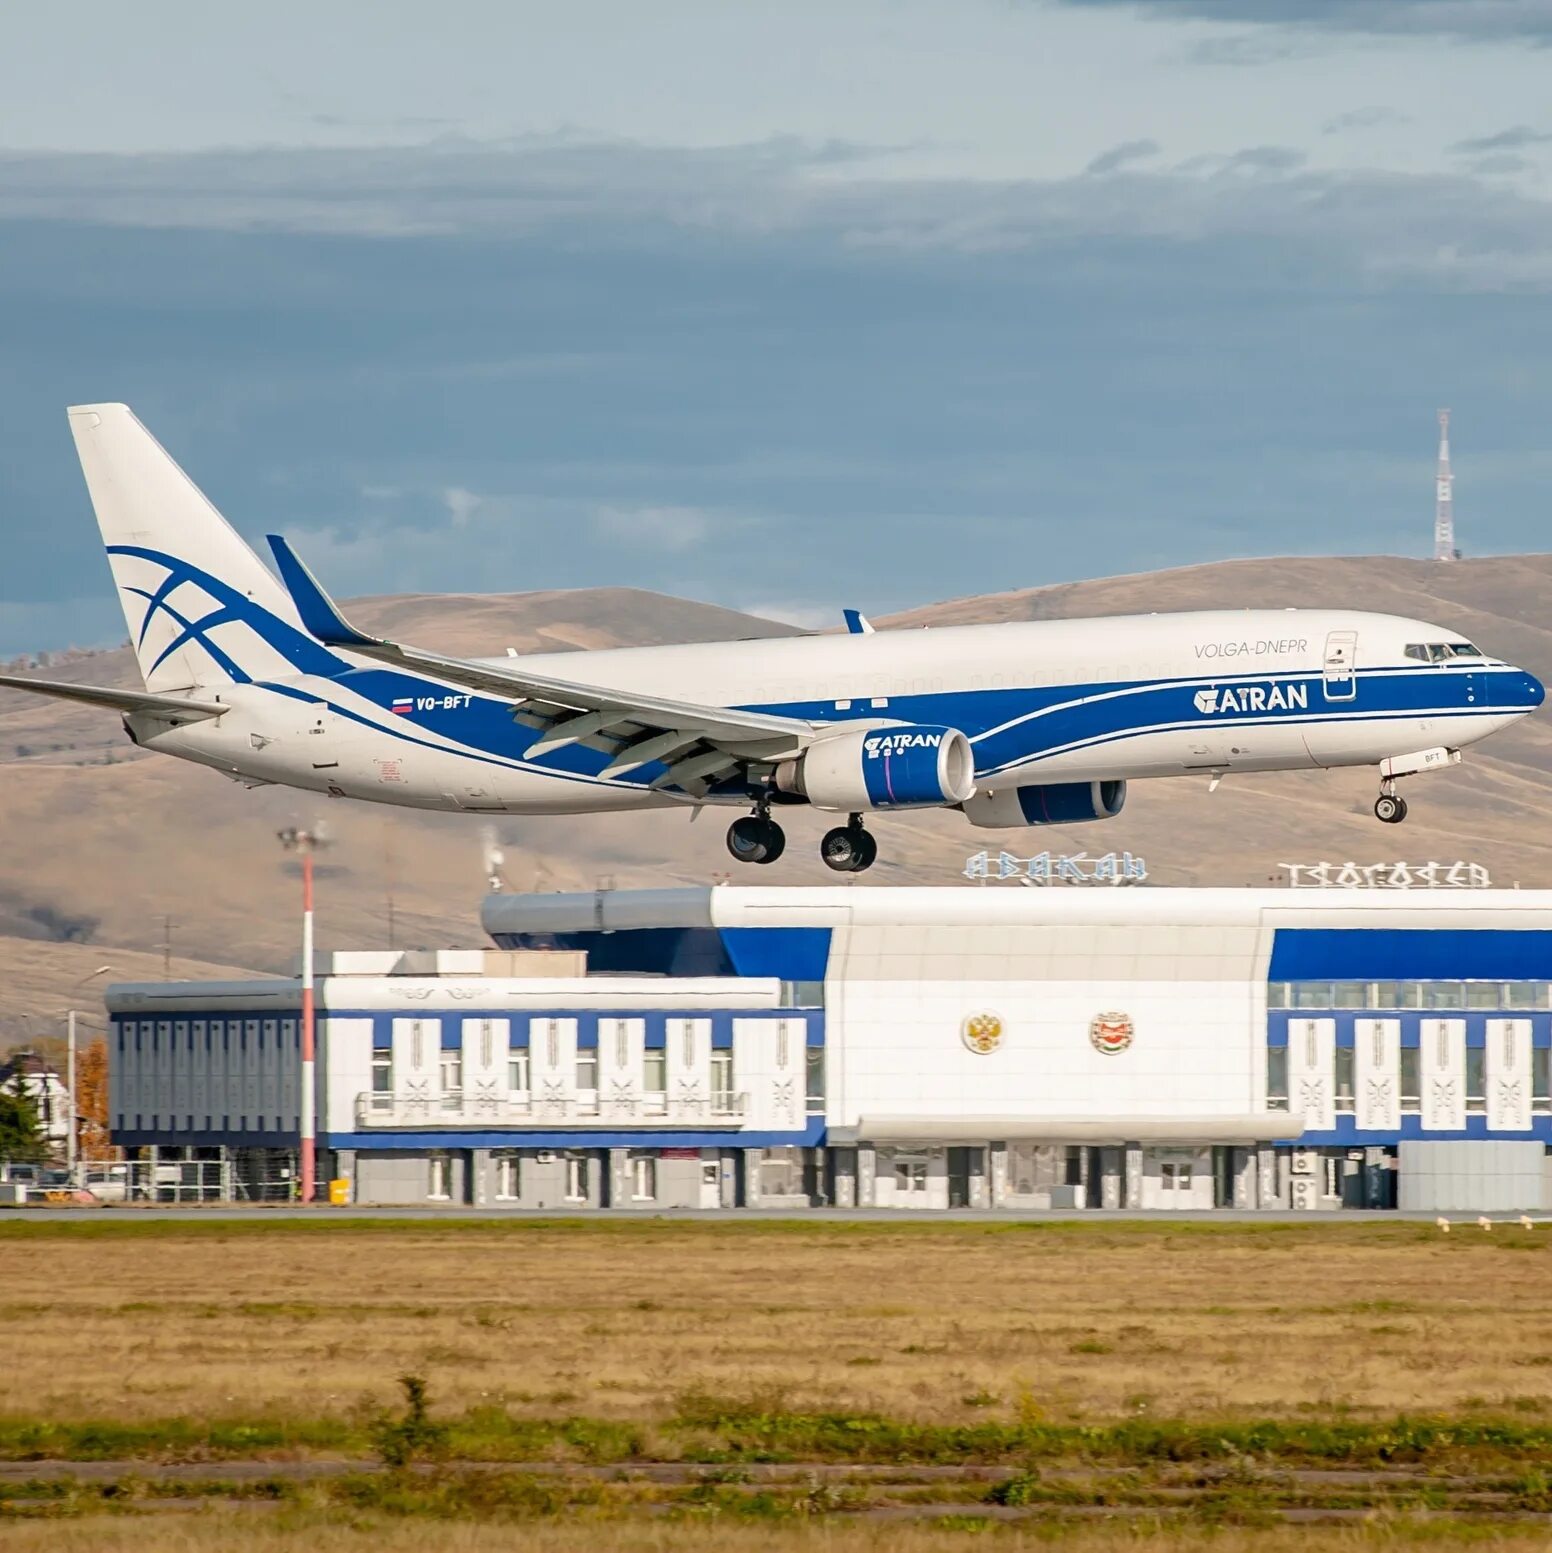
(464, 1108)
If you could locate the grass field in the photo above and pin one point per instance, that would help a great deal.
(1138, 1370)
(621, 1320)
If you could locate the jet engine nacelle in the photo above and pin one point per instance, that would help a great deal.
(906, 766)
(1059, 803)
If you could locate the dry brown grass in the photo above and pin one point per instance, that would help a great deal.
(936, 1323)
(204, 1531)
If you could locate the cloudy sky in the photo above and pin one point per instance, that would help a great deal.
(785, 306)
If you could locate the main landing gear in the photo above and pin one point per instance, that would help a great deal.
(848, 849)
(1390, 806)
(757, 838)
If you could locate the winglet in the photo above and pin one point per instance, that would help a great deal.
(857, 623)
(315, 606)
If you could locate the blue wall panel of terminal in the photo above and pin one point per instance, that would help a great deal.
(1410, 954)
(786, 953)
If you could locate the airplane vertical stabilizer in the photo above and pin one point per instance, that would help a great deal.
(202, 609)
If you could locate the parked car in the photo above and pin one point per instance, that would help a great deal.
(107, 1183)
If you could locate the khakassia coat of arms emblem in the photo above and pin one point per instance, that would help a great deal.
(1111, 1032)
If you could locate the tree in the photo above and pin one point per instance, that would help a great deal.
(91, 1101)
(20, 1142)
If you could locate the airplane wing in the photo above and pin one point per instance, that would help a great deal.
(177, 708)
(696, 743)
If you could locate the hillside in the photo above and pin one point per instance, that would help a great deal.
(99, 844)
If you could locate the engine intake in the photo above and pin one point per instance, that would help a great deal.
(905, 766)
(1058, 803)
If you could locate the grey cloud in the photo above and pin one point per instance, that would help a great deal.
(450, 186)
(1474, 20)
(1500, 164)
(1119, 156)
(1250, 49)
(1450, 229)
(1266, 159)
(1505, 140)
(1363, 118)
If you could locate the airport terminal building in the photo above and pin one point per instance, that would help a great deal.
(923, 1048)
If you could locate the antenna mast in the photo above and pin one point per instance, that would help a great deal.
(1444, 510)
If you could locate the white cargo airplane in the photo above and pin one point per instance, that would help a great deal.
(1031, 723)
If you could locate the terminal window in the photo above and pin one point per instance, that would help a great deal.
(1480, 996)
(654, 1071)
(452, 1080)
(722, 1080)
(1344, 1062)
(517, 1071)
(815, 1064)
(1476, 1080)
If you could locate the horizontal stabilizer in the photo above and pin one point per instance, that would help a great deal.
(178, 708)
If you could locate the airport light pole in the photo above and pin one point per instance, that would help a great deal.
(72, 1144)
(304, 843)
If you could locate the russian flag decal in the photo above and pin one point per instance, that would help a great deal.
(404, 704)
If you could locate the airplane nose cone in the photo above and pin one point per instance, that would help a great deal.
(1532, 692)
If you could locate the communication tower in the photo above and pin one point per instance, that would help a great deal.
(1444, 509)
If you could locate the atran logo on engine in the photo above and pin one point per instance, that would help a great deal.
(897, 743)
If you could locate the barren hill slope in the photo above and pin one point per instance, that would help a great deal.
(101, 853)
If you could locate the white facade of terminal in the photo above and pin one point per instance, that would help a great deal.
(895, 1048)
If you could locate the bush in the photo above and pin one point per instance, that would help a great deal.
(413, 1437)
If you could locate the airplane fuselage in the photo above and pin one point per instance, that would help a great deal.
(1059, 701)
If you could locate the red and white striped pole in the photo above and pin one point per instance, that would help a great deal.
(309, 1054)
(306, 842)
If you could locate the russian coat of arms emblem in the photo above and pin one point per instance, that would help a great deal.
(982, 1033)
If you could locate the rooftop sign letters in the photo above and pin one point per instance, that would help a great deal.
(1387, 876)
(1073, 868)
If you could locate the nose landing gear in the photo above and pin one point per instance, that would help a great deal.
(756, 838)
(848, 849)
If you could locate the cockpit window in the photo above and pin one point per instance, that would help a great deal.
(1439, 652)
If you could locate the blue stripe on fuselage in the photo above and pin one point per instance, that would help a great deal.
(1009, 727)
(1025, 725)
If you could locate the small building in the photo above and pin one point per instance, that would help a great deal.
(26, 1073)
(923, 1048)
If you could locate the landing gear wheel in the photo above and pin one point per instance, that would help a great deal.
(1389, 808)
(848, 849)
(756, 839)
